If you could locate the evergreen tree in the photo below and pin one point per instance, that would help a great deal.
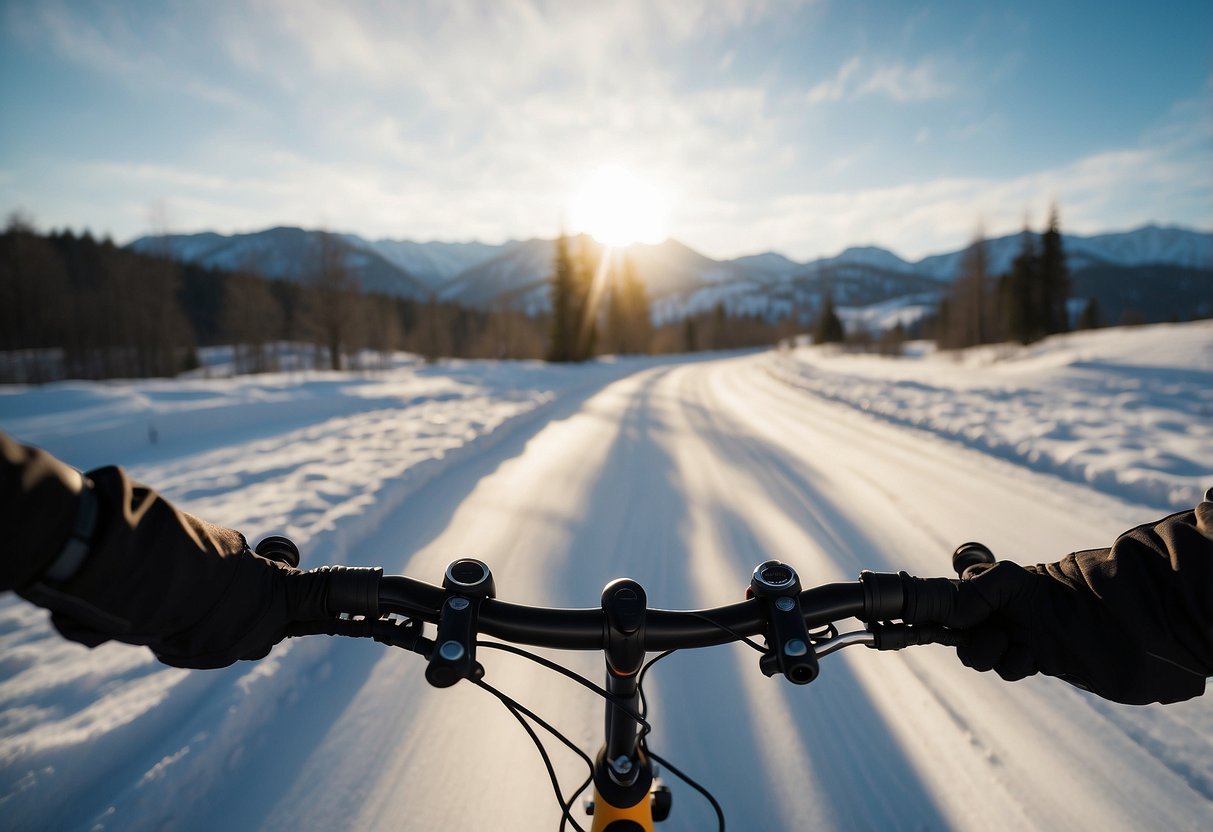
(1018, 294)
(587, 291)
(629, 329)
(1091, 317)
(828, 329)
(564, 324)
(1054, 278)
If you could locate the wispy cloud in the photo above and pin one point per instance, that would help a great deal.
(466, 118)
(1114, 189)
(856, 78)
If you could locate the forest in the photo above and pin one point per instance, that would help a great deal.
(73, 306)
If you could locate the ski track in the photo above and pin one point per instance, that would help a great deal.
(683, 476)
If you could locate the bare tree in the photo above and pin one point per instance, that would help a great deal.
(334, 294)
(252, 322)
(970, 316)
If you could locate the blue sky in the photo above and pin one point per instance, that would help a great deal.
(800, 127)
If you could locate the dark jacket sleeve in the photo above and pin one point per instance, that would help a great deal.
(1156, 581)
(39, 498)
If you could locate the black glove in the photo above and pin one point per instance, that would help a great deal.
(1022, 621)
(191, 591)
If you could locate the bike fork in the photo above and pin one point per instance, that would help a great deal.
(627, 796)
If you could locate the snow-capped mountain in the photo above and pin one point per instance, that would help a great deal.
(1149, 245)
(516, 275)
(396, 267)
(433, 263)
(680, 281)
(284, 254)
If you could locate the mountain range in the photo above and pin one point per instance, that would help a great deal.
(682, 281)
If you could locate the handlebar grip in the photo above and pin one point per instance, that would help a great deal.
(928, 599)
(353, 590)
(913, 600)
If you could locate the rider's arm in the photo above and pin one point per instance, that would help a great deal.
(39, 502)
(1132, 623)
(112, 559)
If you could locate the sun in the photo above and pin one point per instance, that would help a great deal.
(617, 208)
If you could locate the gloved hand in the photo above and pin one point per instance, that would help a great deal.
(191, 591)
(1022, 621)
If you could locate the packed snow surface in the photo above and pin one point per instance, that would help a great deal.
(682, 473)
(1130, 413)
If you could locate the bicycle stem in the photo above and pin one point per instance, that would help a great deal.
(624, 604)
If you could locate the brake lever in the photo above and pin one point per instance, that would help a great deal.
(406, 633)
(897, 636)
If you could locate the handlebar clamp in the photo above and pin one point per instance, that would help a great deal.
(467, 583)
(790, 648)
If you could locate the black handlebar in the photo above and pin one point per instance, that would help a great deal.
(875, 597)
(797, 625)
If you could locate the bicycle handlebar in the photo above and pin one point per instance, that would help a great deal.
(875, 597)
(798, 627)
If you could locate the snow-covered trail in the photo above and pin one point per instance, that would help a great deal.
(684, 478)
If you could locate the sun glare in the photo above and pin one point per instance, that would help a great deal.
(617, 208)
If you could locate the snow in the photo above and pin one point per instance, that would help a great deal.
(682, 473)
(1128, 412)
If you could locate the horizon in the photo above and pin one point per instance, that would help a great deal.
(827, 256)
(780, 127)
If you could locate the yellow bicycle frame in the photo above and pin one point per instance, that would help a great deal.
(637, 818)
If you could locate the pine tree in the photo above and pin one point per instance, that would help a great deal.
(1018, 291)
(1054, 278)
(829, 329)
(629, 329)
(1091, 317)
(586, 294)
(563, 324)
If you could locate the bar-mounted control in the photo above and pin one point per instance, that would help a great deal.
(789, 647)
(467, 583)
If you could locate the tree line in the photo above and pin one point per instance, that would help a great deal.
(600, 307)
(73, 306)
(1026, 304)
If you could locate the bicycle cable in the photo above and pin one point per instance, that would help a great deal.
(646, 728)
(517, 709)
(690, 782)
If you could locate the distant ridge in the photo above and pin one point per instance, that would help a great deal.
(680, 279)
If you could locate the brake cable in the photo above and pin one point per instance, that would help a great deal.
(517, 709)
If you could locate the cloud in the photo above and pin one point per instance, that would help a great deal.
(1164, 178)
(838, 87)
(479, 119)
(921, 81)
(900, 82)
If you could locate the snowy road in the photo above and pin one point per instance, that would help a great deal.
(684, 477)
(683, 473)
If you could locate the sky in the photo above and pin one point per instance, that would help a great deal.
(772, 125)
